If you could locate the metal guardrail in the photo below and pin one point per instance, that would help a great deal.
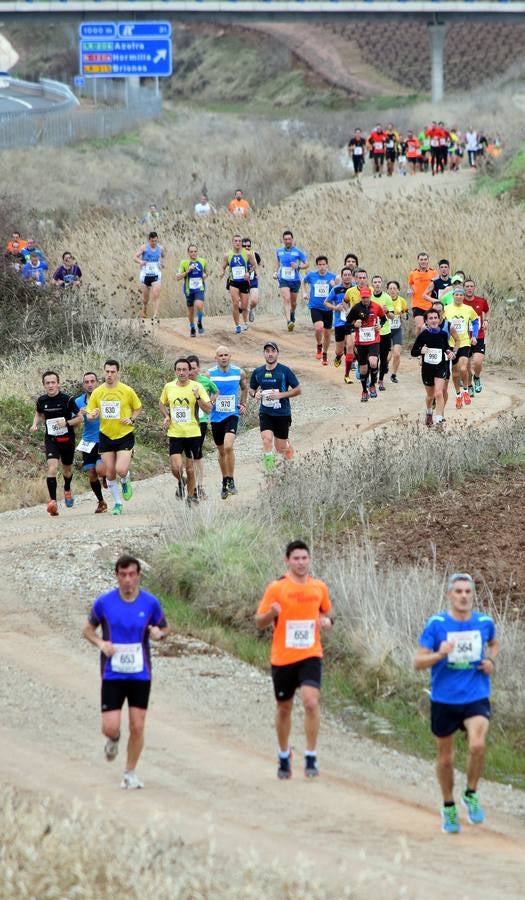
(61, 97)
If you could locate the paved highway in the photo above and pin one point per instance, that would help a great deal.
(14, 99)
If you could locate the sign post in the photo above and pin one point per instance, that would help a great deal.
(125, 49)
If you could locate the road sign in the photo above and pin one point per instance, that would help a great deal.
(124, 49)
(79, 81)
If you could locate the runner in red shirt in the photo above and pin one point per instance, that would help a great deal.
(413, 151)
(377, 143)
(475, 363)
(444, 144)
(434, 133)
(365, 319)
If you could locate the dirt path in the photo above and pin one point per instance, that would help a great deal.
(371, 819)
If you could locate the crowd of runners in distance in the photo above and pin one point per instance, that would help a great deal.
(27, 259)
(434, 149)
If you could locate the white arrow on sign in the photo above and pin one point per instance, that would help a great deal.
(161, 54)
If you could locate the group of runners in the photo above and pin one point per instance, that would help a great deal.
(28, 260)
(436, 149)
(458, 644)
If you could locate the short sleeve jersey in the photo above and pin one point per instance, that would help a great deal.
(54, 408)
(182, 404)
(114, 403)
(460, 318)
(319, 288)
(482, 308)
(194, 280)
(285, 258)
(90, 431)
(336, 296)
(385, 300)
(419, 281)
(296, 631)
(280, 378)
(457, 678)
(211, 388)
(126, 625)
(228, 384)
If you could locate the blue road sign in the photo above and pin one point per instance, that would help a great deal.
(79, 81)
(123, 49)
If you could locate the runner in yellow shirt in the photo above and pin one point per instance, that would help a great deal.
(461, 317)
(117, 406)
(180, 402)
(400, 311)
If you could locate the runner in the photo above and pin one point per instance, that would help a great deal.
(475, 363)
(432, 346)
(16, 244)
(118, 407)
(365, 320)
(69, 273)
(180, 403)
(418, 281)
(424, 140)
(335, 302)
(34, 270)
(444, 142)
(194, 272)
(238, 206)
(400, 311)
(440, 284)
(31, 247)
(461, 318)
(273, 385)
(320, 283)
(413, 152)
(447, 295)
(254, 280)
(89, 445)
(14, 255)
(224, 419)
(433, 134)
(377, 144)
(472, 146)
(129, 618)
(238, 262)
(150, 258)
(459, 645)
(356, 151)
(57, 412)
(382, 298)
(391, 148)
(204, 418)
(290, 261)
(297, 606)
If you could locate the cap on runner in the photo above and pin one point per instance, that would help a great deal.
(272, 345)
(365, 292)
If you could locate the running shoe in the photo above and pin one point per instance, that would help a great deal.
(429, 420)
(477, 385)
(68, 499)
(393, 379)
(291, 325)
(224, 492)
(200, 328)
(245, 326)
(471, 390)
(193, 332)
(450, 820)
(237, 329)
(337, 362)
(289, 453)
(459, 402)
(101, 506)
(127, 490)
(52, 508)
(130, 782)
(441, 425)
(117, 510)
(231, 486)
(269, 463)
(364, 397)
(111, 749)
(310, 767)
(251, 316)
(475, 813)
(372, 392)
(284, 769)
(381, 386)
(325, 361)
(466, 399)
(319, 354)
(348, 379)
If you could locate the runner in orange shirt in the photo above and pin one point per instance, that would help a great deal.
(418, 281)
(297, 606)
(239, 207)
(413, 146)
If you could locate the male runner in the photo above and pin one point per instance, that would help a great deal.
(57, 412)
(254, 279)
(290, 261)
(382, 298)
(179, 404)
(475, 364)
(320, 283)
(462, 318)
(334, 301)
(118, 407)
(365, 320)
(150, 258)
(298, 607)
(238, 262)
(440, 284)
(89, 445)
(194, 272)
(273, 385)
(356, 151)
(459, 645)
(400, 310)
(211, 389)
(376, 144)
(238, 207)
(391, 148)
(224, 419)
(432, 345)
(418, 281)
(128, 617)
(433, 134)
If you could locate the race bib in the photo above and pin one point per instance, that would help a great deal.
(252, 275)
(288, 273)
(300, 634)
(459, 325)
(267, 401)
(321, 289)
(151, 268)
(128, 658)
(395, 322)
(378, 145)
(357, 151)
(434, 142)
(181, 415)
(367, 335)
(196, 284)
(467, 647)
(225, 403)
(54, 428)
(238, 273)
(342, 315)
(85, 446)
(110, 409)
(433, 356)
(390, 145)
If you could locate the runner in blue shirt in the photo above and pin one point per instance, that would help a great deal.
(128, 618)
(34, 270)
(272, 385)
(459, 646)
(334, 301)
(224, 419)
(88, 446)
(290, 261)
(320, 283)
